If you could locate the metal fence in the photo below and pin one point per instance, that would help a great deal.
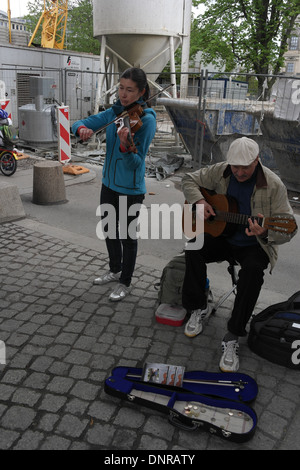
(217, 108)
(76, 89)
(221, 107)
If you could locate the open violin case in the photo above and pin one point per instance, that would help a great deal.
(215, 402)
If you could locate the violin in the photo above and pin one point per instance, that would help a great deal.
(135, 112)
(130, 118)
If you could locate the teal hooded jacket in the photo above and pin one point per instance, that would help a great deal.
(123, 172)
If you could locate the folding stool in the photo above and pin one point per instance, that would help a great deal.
(233, 271)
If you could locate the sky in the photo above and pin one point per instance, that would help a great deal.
(17, 7)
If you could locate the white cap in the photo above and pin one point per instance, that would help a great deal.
(242, 152)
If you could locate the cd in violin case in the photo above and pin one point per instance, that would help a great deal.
(195, 400)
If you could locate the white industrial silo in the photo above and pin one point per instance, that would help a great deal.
(143, 33)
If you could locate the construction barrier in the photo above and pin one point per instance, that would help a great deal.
(64, 140)
(6, 106)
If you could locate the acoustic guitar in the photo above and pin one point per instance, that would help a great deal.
(227, 218)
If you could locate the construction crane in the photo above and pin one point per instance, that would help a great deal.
(54, 20)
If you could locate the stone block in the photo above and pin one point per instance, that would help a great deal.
(11, 207)
(48, 183)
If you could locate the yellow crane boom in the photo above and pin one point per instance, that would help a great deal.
(9, 19)
(54, 20)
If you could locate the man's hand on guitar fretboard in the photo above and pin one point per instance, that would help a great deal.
(255, 228)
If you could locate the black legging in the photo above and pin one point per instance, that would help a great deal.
(122, 249)
(253, 261)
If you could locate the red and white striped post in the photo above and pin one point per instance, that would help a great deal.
(64, 140)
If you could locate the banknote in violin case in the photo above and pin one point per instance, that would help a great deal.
(215, 402)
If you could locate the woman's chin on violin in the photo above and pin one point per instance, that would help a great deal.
(130, 127)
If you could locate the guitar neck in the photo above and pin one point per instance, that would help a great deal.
(226, 210)
(236, 218)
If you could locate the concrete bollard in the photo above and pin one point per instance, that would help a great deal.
(11, 207)
(48, 183)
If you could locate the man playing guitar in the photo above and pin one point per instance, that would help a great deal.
(256, 191)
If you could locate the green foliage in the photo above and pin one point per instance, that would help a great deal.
(80, 28)
(248, 35)
(35, 9)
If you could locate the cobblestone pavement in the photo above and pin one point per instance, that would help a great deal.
(63, 337)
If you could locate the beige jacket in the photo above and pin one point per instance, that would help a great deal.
(269, 198)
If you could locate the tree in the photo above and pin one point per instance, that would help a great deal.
(35, 9)
(251, 35)
(80, 28)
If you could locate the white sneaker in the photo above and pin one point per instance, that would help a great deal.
(194, 326)
(107, 277)
(230, 358)
(119, 293)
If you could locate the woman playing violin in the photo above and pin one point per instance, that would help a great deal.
(123, 173)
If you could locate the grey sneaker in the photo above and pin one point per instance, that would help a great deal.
(230, 358)
(194, 326)
(106, 278)
(119, 293)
